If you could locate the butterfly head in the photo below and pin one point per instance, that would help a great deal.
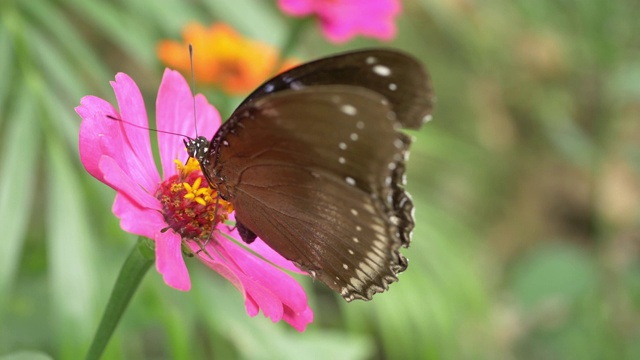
(198, 149)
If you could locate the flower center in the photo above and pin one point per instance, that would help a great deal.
(189, 204)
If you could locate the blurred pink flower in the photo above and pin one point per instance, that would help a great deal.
(341, 20)
(177, 209)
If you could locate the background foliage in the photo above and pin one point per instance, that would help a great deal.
(526, 186)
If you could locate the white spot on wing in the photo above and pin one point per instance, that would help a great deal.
(353, 136)
(382, 70)
(358, 228)
(296, 85)
(351, 181)
(351, 252)
(349, 109)
(342, 160)
(271, 112)
(380, 252)
(360, 125)
(345, 266)
(356, 283)
(377, 228)
(354, 212)
(427, 118)
(379, 244)
(342, 146)
(393, 87)
(369, 208)
(375, 257)
(355, 240)
(367, 269)
(371, 60)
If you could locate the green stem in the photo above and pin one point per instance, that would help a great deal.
(295, 32)
(135, 266)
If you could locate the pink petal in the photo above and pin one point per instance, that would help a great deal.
(261, 248)
(140, 159)
(341, 20)
(208, 117)
(169, 260)
(357, 17)
(115, 177)
(100, 135)
(279, 282)
(94, 127)
(265, 287)
(174, 113)
(297, 7)
(135, 219)
(259, 297)
(299, 320)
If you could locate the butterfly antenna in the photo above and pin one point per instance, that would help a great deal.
(144, 127)
(193, 89)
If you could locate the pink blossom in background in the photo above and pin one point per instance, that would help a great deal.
(342, 20)
(119, 155)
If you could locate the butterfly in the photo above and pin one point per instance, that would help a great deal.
(313, 163)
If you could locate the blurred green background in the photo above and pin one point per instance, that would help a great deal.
(526, 185)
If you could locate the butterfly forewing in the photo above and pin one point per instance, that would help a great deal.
(316, 173)
(400, 78)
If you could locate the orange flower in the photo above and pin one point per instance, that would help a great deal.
(221, 57)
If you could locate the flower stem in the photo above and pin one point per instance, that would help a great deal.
(135, 266)
(295, 32)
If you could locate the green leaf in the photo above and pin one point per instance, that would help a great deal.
(556, 272)
(18, 169)
(70, 255)
(258, 337)
(26, 355)
(6, 68)
(64, 82)
(251, 18)
(118, 27)
(74, 49)
(171, 17)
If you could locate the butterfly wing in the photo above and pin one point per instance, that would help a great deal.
(395, 75)
(317, 173)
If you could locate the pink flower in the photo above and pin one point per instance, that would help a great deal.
(341, 20)
(177, 209)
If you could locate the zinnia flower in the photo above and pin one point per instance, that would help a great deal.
(177, 210)
(342, 20)
(222, 57)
